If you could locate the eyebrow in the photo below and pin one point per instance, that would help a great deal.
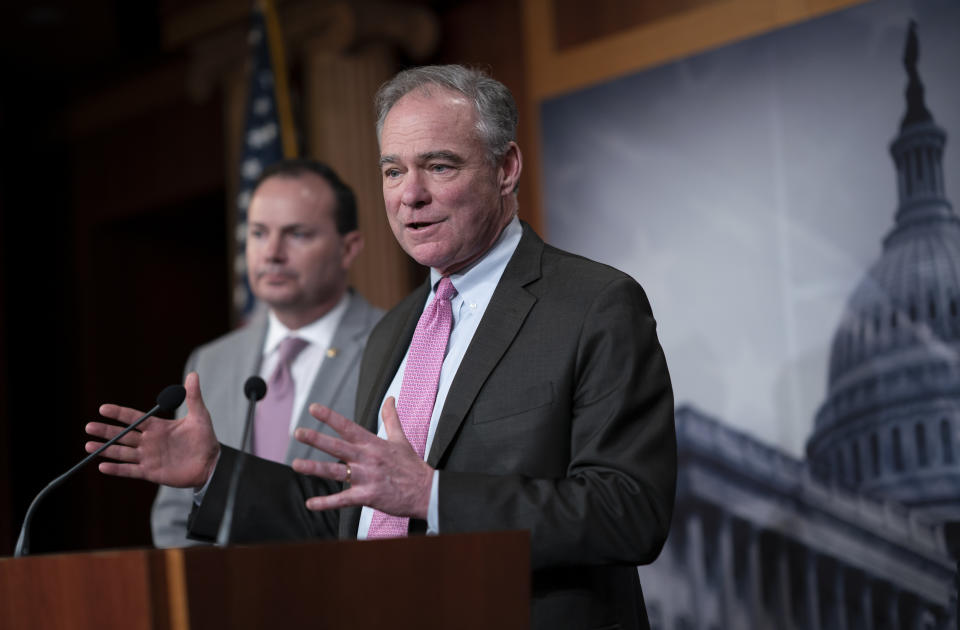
(283, 228)
(447, 156)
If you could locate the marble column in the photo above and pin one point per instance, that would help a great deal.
(923, 618)
(343, 53)
(754, 578)
(866, 603)
(785, 616)
(695, 566)
(728, 592)
(840, 598)
(893, 609)
(347, 52)
(813, 591)
(338, 92)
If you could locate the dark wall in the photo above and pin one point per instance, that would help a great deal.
(114, 251)
(114, 265)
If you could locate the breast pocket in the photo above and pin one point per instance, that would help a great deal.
(511, 404)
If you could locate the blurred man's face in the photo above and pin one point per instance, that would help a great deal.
(297, 262)
(444, 199)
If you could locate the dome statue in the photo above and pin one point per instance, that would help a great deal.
(891, 416)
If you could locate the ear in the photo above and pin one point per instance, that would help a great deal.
(351, 246)
(510, 167)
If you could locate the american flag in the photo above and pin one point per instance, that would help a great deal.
(267, 136)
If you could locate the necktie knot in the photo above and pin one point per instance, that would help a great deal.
(290, 347)
(445, 289)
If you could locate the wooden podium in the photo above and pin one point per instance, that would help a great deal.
(455, 581)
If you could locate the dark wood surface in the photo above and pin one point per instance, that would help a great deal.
(467, 581)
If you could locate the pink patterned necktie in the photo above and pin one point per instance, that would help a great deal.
(418, 392)
(271, 431)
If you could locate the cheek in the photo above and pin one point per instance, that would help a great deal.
(391, 199)
(328, 261)
(251, 255)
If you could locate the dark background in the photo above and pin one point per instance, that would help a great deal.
(114, 237)
(114, 203)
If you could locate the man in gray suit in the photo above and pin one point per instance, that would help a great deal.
(551, 410)
(302, 238)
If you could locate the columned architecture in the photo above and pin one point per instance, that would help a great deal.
(758, 542)
(890, 421)
(856, 536)
(338, 54)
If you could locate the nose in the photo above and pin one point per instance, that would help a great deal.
(415, 194)
(274, 247)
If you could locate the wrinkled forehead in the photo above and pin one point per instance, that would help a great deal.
(428, 121)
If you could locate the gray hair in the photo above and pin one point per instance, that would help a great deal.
(496, 110)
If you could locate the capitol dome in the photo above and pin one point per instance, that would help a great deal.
(890, 420)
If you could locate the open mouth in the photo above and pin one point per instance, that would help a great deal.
(418, 225)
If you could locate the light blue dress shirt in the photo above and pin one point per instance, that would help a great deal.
(475, 287)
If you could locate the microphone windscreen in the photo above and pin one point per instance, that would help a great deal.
(254, 388)
(171, 397)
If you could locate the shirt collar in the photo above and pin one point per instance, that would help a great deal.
(480, 278)
(318, 332)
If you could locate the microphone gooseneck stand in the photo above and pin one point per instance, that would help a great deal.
(168, 400)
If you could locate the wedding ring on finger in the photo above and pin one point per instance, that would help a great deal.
(349, 476)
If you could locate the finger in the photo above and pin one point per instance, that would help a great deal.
(328, 444)
(131, 439)
(194, 398)
(391, 421)
(126, 415)
(132, 471)
(117, 452)
(335, 471)
(347, 498)
(110, 431)
(345, 428)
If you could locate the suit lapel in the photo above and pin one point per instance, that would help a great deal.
(248, 363)
(393, 348)
(348, 340)
(501, 322)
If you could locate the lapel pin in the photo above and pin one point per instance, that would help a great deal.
(332, 352)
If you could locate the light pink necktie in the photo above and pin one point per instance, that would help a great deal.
(271, 432)
(418, 392)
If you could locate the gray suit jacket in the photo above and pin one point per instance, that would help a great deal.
(559, 422)
(224, 365)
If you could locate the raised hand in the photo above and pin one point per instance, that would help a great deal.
(384, 474)
(180, 453)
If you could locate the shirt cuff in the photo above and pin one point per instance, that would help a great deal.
(433, 510)
(199, 493)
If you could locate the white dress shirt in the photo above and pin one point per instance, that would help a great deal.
(306, 365)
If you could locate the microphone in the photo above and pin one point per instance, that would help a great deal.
(167, 401)
(254, 389)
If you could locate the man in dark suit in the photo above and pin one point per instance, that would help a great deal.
(551, 410)
(302, 237)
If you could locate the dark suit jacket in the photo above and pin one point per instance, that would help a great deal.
(559, 421)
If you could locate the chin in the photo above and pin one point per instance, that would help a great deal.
(428, 256)
(277, 300)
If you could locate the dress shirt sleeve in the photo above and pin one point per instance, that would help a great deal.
(433, 510)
